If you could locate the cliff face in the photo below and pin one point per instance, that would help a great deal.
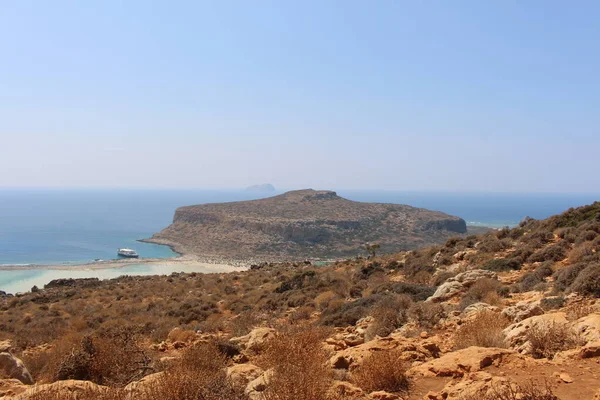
(304, 224)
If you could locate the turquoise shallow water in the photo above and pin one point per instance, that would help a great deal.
(23, 280)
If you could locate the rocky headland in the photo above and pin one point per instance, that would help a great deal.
(304, 224)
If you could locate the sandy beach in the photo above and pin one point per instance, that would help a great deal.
(21, 278)
(184, 261)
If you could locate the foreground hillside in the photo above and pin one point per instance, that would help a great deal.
(512, 314)
(304, 224)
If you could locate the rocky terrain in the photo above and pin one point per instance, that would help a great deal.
(510, 315)
(304, 224)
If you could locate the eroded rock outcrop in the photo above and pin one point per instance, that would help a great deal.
(459, 284)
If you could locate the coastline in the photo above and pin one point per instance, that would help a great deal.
(184, 261)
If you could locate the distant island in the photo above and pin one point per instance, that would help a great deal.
(262, 188)
(304, 224)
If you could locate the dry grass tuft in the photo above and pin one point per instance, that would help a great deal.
(513, 391)
(484, 330)
(548, 339)
(299, 363)
(382, 370)
(199, 374)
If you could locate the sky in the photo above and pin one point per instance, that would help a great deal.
(489, 96)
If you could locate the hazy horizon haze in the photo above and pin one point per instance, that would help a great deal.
(458, 96)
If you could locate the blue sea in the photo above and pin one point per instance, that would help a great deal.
(75, 226)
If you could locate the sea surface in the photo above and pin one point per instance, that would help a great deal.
(77, 226)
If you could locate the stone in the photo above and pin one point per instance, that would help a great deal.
(346, 389)
(588, 327)
(459, 284)
(522, 310)
(477, 307)
(242, 374)
(353, 340)
(137, 389)
(381, 395)
(590, 350)
(412, 350)
(62, 389)
(255, 387)
(256, 339)
(12, 367)
(5, 346)
(179, 345)
(461, 362)
(515, 334)
(566, 378)
(475, 384)
(11, 387)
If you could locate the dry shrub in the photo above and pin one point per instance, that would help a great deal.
(548, 339)
(587, 282)
(382, 370)
(43, 364)
(422, 278)
(111, 394)
(579, 310)
(112, 359)
(514, 391)
(427, 315)
(301, 314)
(198, 374)
(581, 252)
(243, 323)
(482, 290)
(299, 364)
(389, 315)
(484, 330)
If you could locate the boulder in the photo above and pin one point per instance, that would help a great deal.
(11, 387)
(477, 307)
(588, 327)
(12, 367)
(412, 350)
(446, 291)
(62, 389)
(381, 395)
(590, 350)
(459, 284)
(473, 384)
(138, 388)
(516, 334)
(242, 374)
(255, 340)
(461, 362)
(346, 389)
(255, 388)
(522, 310)
(5, 346)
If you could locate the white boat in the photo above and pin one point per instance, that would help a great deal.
(128, 253)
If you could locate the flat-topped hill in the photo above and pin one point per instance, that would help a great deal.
(304, 224)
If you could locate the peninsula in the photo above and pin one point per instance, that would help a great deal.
(304, 224)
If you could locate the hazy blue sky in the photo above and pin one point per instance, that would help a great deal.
(437, 95)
